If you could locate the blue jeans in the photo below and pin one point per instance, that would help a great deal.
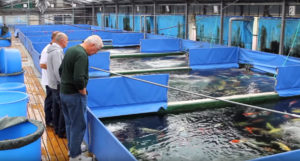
(48, 106)
(74, 109)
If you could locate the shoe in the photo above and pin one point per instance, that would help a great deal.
(81, 157)
(83, 148)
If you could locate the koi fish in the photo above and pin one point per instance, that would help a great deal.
(235, 141)
(250, 113)
(296, 110)
(281, 145)
(249, 129)
(148, 130)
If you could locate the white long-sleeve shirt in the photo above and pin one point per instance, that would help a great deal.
(43, 60)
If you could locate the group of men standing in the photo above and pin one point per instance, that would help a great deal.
(65, 77)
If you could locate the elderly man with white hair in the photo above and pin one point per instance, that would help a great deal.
(74, 79)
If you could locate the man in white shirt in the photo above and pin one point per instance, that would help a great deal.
(48, 99)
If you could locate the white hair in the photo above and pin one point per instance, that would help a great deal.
(95, 40)
(60, 36)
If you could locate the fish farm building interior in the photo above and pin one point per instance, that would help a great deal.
(150, 80)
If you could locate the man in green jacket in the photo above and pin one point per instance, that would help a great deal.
(74, 79)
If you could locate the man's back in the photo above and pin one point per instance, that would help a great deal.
(54, 59)
(74, 70)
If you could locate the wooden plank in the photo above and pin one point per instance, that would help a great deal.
(52, 147)
(51, 141)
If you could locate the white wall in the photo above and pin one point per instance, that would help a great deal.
(16, 19)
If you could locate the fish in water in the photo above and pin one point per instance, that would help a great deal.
(281, 145)
(148, 130)
(250, 114)
(272, 129)
(296, 111)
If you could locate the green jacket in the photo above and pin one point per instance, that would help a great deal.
(74, 70)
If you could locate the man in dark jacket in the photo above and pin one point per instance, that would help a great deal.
(74, 79)
(4, 30)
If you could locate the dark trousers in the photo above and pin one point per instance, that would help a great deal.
(58, 117)
(48, 106)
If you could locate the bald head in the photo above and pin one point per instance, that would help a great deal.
(61, 39)
(54, 33)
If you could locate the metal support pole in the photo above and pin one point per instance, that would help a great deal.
(72, 13)
(281, 45)
(133, 14)
(117, 17)
(93, 15)
(154, 14)
(103, 16)
(221, 23)
(28, 13)
(186, 20)
(145, 27)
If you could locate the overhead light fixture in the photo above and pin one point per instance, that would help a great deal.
(25, 5)
(138, 8)
(73, 5)
(52, 5)
(167, 8)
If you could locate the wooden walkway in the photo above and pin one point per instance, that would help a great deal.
(53, 148)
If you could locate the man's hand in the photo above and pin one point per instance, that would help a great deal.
(83, 91)
(43, 66)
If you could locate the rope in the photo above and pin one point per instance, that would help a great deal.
(199, 94)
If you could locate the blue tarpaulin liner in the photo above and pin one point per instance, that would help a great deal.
(288, 82)
(266, 61)
(153, 36)
(126, 39)
(105, 35)
(160, 45)
(208, 30)
(118, 96)
(78, 34)
(72, 43)
(213, 58)
(100, 60)
(40, 46)
(35, 39)
(51, 28)
(286, 156)
(189, 44)
(38, 33)
(102, 143)
(171, 25)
